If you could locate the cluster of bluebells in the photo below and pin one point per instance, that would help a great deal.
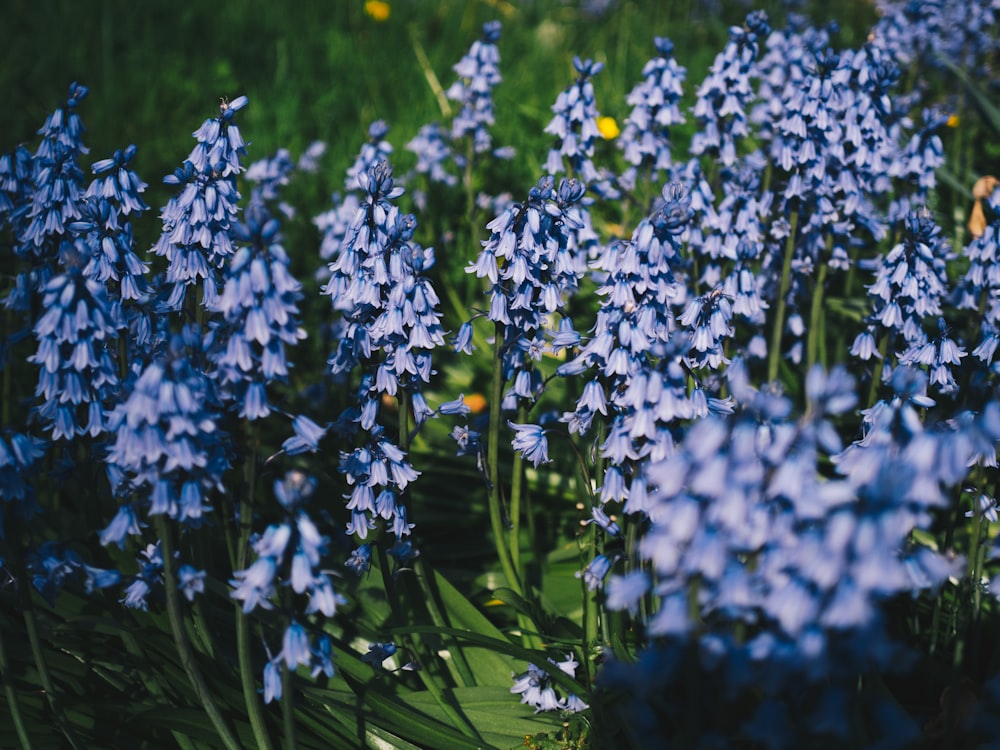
(478, 74)
(645, 140)
(76, 336)
(259, 315)
(538, 690)
(391, 325)
(724, 96)
(290, 554)
(439, 147)
(168, 454)
(910, 286)
(196, 239)
(762, 550)
(531, 270)
(335, 224)
(774, 573)
(980, 287)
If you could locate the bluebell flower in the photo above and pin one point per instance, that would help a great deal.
(710, 316)
(289, 553)
(530, 440)
(575, 126)
(272, 680)
(196, 239)
(54, 566)
(166, 438)
(537, 689)
(433, 151)
(378, 279)
(126, 522)
(53, 202)
(190, 581)
(915, 169)
(596, 571)
(375, 150)
(645, 139)
(16, 186)
(360, 560)
(112, 197)
(259, 314)
(529, 266)
(306, 438)
(322, 660)
(295, 646)
(76, 336)
(19, 455)
(725, 94)
(478, 74)
(378, 653)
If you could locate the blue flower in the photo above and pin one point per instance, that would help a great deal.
(575, 126)
(433, 151)
(260, 315)
(376, 150)
(478, 74)
(190, 581)
(645, 139)
(196, 238)
(166, 440)
(272, 680)
(724, 95)
(76, 337)
(530, 440)
(378, 653)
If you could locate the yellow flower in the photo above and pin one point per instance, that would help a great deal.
(476, 402)
(377, 9)
(952, 121)
(608, 128)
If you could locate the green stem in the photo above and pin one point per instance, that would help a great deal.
(151, 682)
(288, 706)
(774, 356)
(430, 681)
(883, 349)
(516, 490)
(12, 703)
(493, 459)
(816, 327)
(181, 642)
(248, 679)
(419, 566)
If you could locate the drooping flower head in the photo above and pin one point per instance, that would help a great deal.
(478, 74)
(725, 95)
(77, 372)
(259, 314)
(168, 448)
(645, 140)
(196, 239)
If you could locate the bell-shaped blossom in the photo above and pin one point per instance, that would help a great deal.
(259, 314)
(478, 74)
(196, 239)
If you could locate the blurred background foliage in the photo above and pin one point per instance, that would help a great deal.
(324, 69)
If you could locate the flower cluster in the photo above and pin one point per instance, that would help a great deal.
(260, 317)
(645, 140)
(291, 552)
(196, 239)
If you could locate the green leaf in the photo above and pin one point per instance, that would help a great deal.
(488, 666)
(499, 716)
(503, 646)
(393, 715)
(191, 722)
(982, 101)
